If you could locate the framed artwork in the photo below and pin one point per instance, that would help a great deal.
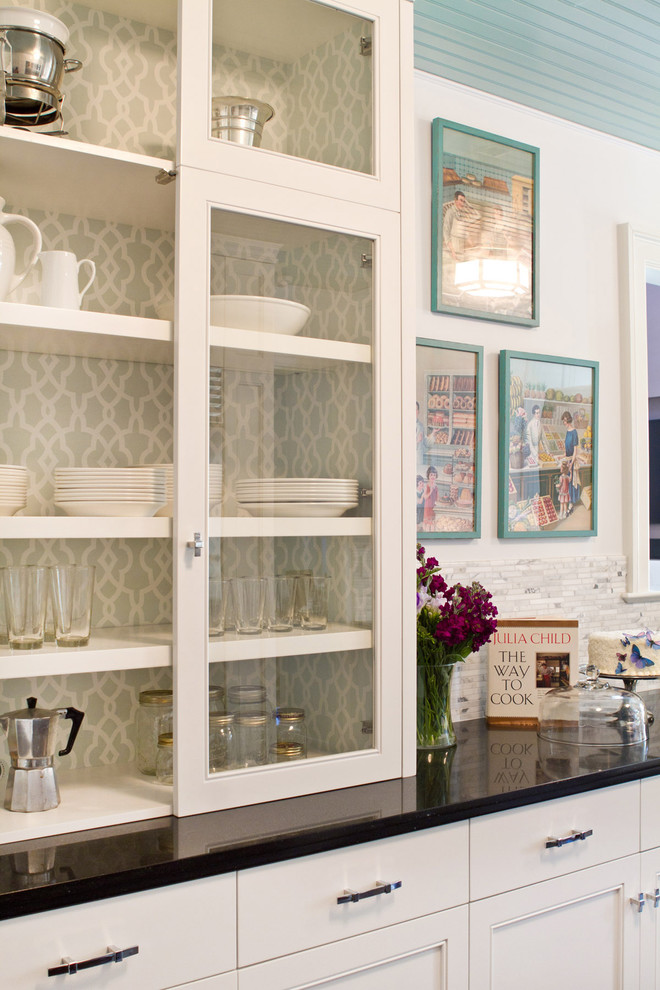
(485, 226)
(548, 457)
(448, 439)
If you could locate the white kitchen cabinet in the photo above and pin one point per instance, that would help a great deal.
(328, 71)
(429, 952)
(649, 924)
(575, 931)
(327, 182)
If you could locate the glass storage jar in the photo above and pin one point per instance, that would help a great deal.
(165, 758)
(216, 698)
(154, 711)
(252, 738)
(290, 734)
(248, 698)
(222, 742)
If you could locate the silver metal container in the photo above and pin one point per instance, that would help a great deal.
(239, 119)
(33, 64)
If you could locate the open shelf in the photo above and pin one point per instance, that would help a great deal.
(336, 637)
(78, 333)
(91, 797)
(83, 527)
(84, 180)
(116, 648)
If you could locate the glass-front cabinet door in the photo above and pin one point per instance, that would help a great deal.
(288, 621)
(309, 86)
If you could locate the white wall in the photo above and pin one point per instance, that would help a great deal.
(589, 183)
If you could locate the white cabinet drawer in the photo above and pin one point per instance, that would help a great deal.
(184, 932)
(291, 906)
(508, 848)
(650, 804)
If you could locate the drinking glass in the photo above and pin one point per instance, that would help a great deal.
(25, 589)
(72, 590)
(248, 605)
(314, 609)
(220, 606)
(280, 598)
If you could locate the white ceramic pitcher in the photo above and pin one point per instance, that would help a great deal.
(59, 279)
(9, 280)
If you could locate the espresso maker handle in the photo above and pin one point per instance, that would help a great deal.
(76, 719)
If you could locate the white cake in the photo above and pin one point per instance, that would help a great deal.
(632, 654)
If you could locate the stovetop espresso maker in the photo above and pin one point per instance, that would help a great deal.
(31, 734)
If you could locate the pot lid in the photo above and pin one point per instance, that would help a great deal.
(593, 714)
(34, 20)
(32, 712)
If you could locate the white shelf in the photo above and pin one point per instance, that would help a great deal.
(83, 528)
(77, 333)
(39, 171)
(285, 526)
(251, 350)
(117, 648)
(232, 647)
(91, 797)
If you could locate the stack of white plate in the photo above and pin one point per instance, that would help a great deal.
(137, 491)
(297, 496)
(215, 487)
(13, 489)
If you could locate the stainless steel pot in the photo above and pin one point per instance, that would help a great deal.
(33, 65)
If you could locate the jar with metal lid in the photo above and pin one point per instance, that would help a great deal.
(290, 731)
(285, 752)
(252, 738)
(165, 758)
(216, 698)
(222, 742)
(155, 707)
(248, 698)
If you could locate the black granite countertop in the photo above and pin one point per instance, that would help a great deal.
(488, 771)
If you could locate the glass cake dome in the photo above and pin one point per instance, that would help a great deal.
(593, 714)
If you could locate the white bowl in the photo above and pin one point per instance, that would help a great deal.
(265, 313)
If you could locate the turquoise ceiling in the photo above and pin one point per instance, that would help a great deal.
(596, 62)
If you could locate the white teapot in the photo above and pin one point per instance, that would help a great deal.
(9, 280)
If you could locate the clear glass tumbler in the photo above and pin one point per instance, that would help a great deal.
(25, 589)
(248, 605)
(72, 592)
(280, 600)
(314, 609)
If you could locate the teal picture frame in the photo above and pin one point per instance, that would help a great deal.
(485, 231)
(449, 397)
(548, 454)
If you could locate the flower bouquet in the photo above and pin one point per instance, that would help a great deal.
(452, 623)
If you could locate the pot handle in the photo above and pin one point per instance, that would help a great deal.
(72, 64)
(76, 719)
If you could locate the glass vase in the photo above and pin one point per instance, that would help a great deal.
(435, 729)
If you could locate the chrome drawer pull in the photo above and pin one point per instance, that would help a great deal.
(351, 896)
(654, 897)
(573, 837)
(113, 955)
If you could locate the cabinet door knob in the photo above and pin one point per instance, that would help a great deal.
(552, 843)
(196, 544)
(654, 897)
(113, 955)
(638, 902)
(351, 896)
